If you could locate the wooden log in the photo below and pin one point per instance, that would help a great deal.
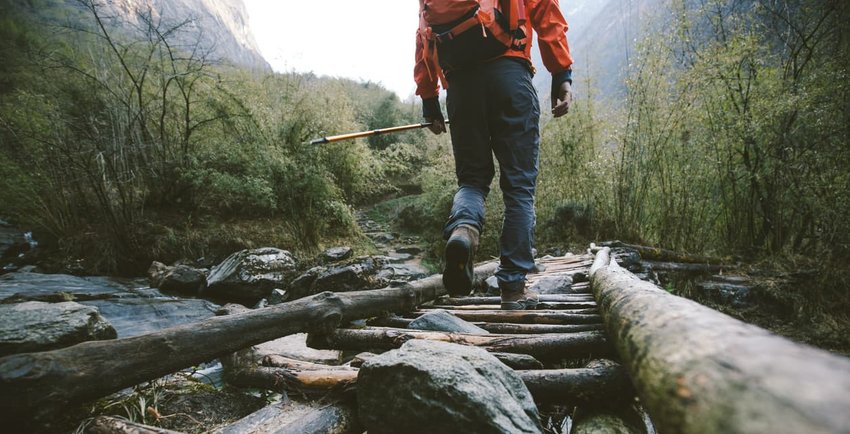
(548, 346)
(682, 267)
(500, 328)
(390, 321)
(337, 417)
(278, 361)
(118, 425)
(558, 298)
(570, 306)
(34, 384)
(699, 371)
(553, 386)
(617, 414)
(281, 374)
(510, 328)
(524, 316)
(665, 255)
(605, 382)
(293, 380)
(565, 262)
(518, 361)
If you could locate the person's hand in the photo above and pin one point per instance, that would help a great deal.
(561, 104)
(434, 115)
(438, 126)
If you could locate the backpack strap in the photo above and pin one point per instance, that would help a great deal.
(483, 17)
(426, 35)
(514, 10)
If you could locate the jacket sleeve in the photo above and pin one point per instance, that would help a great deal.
(425, 73)
(551, 28)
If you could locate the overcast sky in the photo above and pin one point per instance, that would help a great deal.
(360, 39)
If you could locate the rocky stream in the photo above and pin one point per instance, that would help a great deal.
(300, 384)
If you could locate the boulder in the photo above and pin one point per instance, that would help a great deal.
(442, 321)
(402, 272)
(429, 386)
(365, 272)
(250, 275)
(356, 275)
(277, 296)
(302, 286)
(553, 284)
(335, 254)
(731, 294)
(37, 326)
(179, 278)
(184, 279)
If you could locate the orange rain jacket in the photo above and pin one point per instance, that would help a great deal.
(544, 16)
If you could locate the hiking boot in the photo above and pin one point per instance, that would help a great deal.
(460, 252)
(515, 296)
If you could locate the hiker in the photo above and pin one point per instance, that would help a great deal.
(480, 51)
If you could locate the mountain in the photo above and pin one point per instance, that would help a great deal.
(602, 35)
(219, 27)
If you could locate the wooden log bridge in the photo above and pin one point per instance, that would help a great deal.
(693, 370)
(699, 371)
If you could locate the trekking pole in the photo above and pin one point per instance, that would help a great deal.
(377, 132)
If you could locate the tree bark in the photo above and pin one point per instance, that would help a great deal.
(277, 361)
(589, 386)
(285, 379)
(33, 384)
(508, 328)
(545, 298)
(524, 316)
(700, 371)
(570, 306)
(547, 346)
(500, 328)
(605, 382)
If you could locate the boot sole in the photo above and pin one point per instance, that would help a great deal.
(457, 276)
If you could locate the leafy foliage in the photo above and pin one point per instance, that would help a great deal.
(733, 138)
(113, 126)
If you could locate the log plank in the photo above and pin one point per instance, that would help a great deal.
(33, 384)
(522, 316)
(545, 346)
(699, 371)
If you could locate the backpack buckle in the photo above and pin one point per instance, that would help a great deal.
(444, 37)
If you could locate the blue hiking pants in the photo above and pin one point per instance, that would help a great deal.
(493, 110)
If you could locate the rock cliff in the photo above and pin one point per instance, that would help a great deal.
(220, 26)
